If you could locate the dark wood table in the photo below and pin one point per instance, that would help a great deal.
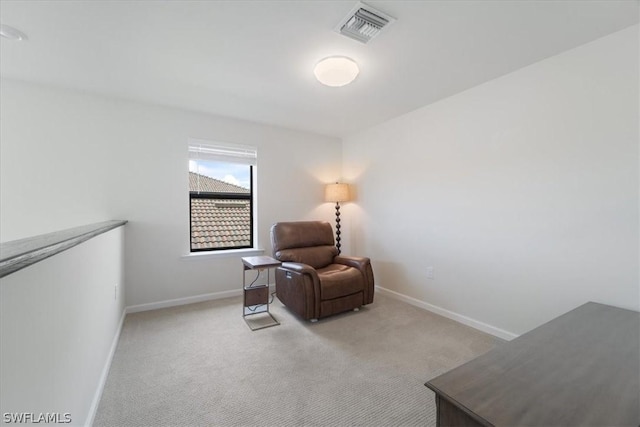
(580, 369)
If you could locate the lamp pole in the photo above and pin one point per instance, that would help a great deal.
(337, 193)
(338, 227)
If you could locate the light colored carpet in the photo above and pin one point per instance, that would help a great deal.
(200, 364)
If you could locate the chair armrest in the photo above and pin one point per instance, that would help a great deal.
(362, 264)
(299, 267)
(298, 286)
(352, 261)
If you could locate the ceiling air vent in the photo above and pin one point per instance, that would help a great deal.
(363, 23)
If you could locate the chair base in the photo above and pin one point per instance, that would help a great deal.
(315, 320)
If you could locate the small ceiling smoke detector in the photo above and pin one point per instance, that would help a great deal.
(336, 71)
(363, 23)
(11, 33)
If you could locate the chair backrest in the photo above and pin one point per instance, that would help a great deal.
(308, 242)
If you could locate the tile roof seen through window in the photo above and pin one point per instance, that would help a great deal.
(219, 222)
(198, 182)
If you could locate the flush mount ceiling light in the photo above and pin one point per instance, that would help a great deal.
(11, 33)
(336, 71)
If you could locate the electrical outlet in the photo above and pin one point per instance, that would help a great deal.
(429, 272)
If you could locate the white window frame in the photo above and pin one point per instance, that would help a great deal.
(199, 149)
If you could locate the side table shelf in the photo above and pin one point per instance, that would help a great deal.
(256, 297)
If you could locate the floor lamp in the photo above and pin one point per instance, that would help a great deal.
(337, 193)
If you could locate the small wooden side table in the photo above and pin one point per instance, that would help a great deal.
(256, 297)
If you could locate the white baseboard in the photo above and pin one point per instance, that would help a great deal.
(183, 301)
(500, 333)
(105, 372)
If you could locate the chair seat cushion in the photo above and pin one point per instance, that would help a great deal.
(337, 280)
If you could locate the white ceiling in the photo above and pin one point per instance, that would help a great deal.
(254, 59)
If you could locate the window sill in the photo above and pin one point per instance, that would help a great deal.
(230, 253)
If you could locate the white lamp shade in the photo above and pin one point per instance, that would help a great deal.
(336, 71)
(337, 193)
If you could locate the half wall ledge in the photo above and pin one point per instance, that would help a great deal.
(18, 254)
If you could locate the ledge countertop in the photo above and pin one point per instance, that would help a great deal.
(18, 254)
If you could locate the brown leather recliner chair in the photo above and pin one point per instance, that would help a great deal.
(314, 281)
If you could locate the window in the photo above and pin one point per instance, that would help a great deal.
(221, 196)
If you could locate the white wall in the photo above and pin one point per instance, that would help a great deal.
(59, 319)
(522, 193)
(69, 159)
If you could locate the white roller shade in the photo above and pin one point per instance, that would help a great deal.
(234, 153)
